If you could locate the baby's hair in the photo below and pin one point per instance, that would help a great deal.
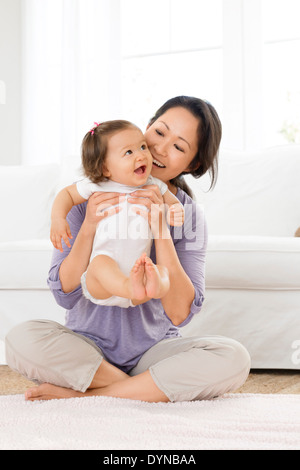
(94, 147)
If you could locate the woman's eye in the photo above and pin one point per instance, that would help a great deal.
(158, 132)
(129, 152)
(179, 148)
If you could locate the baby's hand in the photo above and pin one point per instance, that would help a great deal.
(175, 215)
(60, 230)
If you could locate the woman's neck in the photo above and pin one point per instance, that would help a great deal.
(172, 188)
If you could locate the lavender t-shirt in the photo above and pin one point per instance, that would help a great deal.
(125, 334)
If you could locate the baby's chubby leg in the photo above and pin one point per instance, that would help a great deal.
(145, 281)
(104, 279)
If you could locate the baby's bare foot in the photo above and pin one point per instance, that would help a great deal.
(153, 280)
(136, 279)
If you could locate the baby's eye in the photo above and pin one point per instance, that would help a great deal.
(129, 152)
(144, 147)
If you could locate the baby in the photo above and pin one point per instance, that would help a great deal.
(115, 158)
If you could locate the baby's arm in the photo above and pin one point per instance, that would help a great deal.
(63, 203)
(175, 214)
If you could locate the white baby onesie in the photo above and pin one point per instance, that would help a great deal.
(123, 236)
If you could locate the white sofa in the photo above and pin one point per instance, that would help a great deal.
(26, 194)
(253, 258)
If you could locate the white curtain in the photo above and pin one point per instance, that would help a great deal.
(70, 74)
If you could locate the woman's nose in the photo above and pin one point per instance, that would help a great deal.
(161, 149)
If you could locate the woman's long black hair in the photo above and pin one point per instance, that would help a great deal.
(209, 138)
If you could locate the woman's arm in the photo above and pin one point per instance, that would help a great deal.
(74, 260)
(187, 278)
(179, 298)
(75, 264)
(185, 259)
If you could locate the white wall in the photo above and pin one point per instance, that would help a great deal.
(10, 82)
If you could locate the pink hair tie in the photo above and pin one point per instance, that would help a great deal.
(92, 131)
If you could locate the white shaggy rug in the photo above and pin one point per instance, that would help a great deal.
(234, 421)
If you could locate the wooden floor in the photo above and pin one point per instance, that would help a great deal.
(259, 381)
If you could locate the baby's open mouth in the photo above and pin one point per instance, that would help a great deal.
(140, 170)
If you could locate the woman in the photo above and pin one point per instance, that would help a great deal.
(138, 353)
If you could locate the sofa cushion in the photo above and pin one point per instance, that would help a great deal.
(25, 265)
(253, 263)
(26, 195)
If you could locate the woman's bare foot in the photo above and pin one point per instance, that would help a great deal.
(140, 387)
(136, 279)
(49, 392)
(157, 280)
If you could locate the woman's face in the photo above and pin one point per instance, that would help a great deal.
(173, 142)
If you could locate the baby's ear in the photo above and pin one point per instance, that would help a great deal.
(105, 172)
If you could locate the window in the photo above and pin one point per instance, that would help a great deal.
(281, 71)
(241, 55)
(93, 60)
(169, 49)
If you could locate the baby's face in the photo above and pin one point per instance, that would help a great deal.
(128, 160)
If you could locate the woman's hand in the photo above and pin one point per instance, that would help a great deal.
(155, 209)
(175, 215)
(101, 205)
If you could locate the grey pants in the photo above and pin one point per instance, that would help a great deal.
(184, 369)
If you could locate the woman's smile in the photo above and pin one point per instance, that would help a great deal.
(157, 163)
